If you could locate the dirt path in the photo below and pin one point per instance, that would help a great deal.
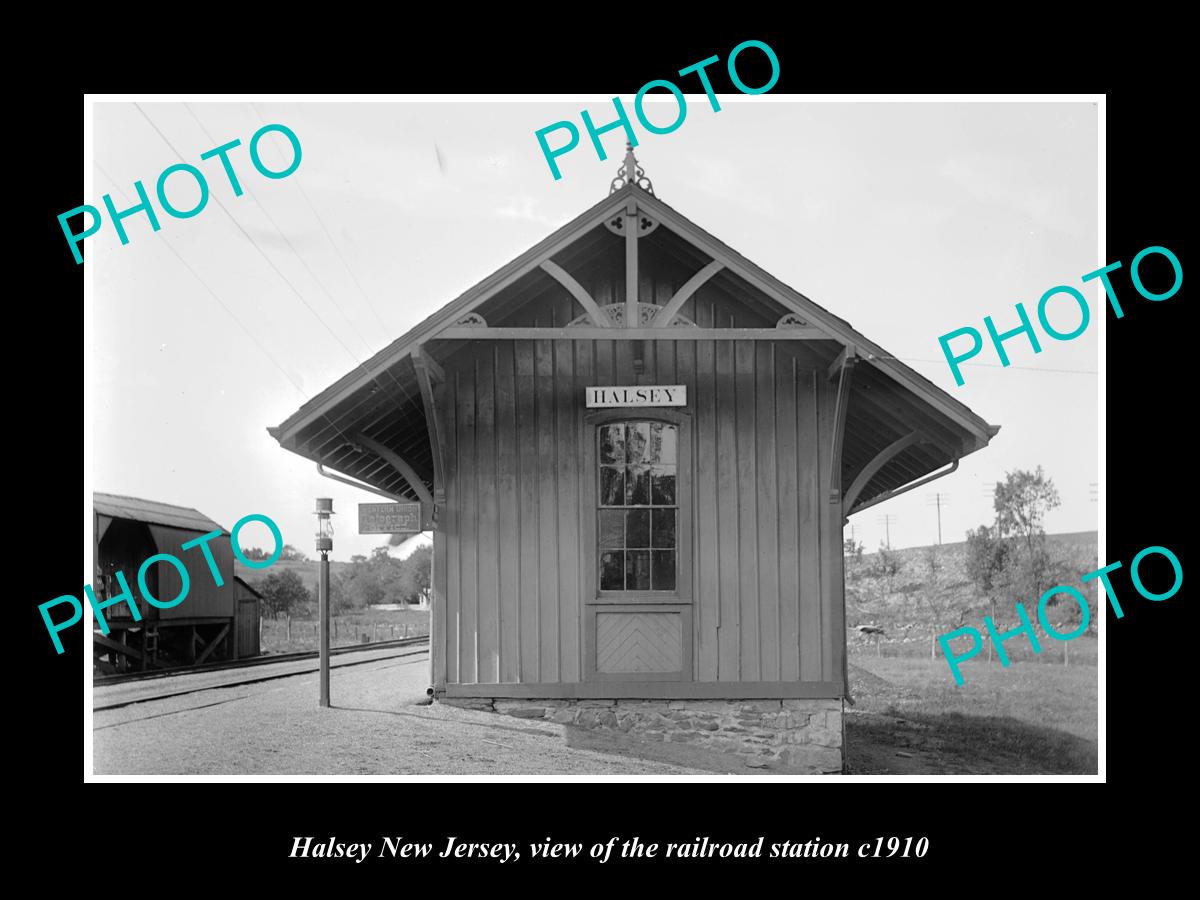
(376, 727)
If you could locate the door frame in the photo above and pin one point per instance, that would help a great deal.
(594, 600)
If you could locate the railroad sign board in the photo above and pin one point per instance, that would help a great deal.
(389, 518)
(637, 395)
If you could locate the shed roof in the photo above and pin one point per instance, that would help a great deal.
(247, 585)
(139, 510)
(382, 399)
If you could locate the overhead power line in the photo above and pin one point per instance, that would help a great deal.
(246, 331)
(256, 246)
(329, 235)
(403, 392)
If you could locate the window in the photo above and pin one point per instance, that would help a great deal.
(638, 515)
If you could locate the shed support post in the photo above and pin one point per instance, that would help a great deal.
(213, 644)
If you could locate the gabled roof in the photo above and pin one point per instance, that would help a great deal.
(247, 585)
(320, 429)
(139, 510)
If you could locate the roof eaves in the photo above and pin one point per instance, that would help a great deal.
(839, 328)
(465, 302)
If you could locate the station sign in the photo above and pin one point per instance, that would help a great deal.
(637, 395)
(390, 518)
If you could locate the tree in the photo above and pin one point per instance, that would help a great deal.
(1011, 559)
(415, 571)
(291, 553)
(986, 557)
(939, 599)
(1021, 502)
(282, 592)
(852, 549)
(254, 553)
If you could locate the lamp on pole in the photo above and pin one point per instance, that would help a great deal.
(324, 545)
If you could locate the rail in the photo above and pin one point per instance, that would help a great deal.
(102, 680)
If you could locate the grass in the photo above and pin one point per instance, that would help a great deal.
(372, 624)
(1028, 718)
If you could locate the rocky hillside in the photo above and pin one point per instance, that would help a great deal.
(898, 591)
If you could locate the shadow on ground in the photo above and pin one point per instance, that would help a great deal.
(896, 742)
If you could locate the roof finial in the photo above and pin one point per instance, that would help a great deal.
(631, 173)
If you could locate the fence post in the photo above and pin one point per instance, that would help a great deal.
(374, 631)
(406, 630)
(289, 627)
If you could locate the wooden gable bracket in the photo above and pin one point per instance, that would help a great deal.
(689, 287)
(843, 367)
(882, 458)
(422, 359)
(392, 458)
(577, 290)
(904, 489)
(428, 372)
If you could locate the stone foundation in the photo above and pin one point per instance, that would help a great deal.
(800, 735)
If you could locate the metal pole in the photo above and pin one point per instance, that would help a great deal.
(324, 546)
(323, 604)
(939, 508)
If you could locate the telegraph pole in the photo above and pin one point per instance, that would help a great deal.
(886, 522)
(939, 498)
(324, 546)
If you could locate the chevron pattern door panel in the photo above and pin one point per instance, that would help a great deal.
(639, 642)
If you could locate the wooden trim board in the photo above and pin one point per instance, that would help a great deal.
(656, 690)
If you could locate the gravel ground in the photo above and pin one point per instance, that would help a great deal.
(376, 727)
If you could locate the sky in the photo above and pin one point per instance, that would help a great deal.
(909, 220)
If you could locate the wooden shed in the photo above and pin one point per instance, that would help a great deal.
(638, 450)
(204, 627)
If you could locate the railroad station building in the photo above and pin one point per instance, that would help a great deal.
(637, 451)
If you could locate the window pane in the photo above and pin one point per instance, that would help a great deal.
(638, 447)
(638, 471)
(612, 528)
(637, 570)
(667, 441)
(612, 485)
(612, 570)
(637, 528)
(663, 485)
(637, 486)
(663, 531)
(662, 443)
(612, 443)
(664, 570)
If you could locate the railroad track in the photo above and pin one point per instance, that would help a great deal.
(103, 680)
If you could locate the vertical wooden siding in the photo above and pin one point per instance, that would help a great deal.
(767, 576)
(204, 598)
